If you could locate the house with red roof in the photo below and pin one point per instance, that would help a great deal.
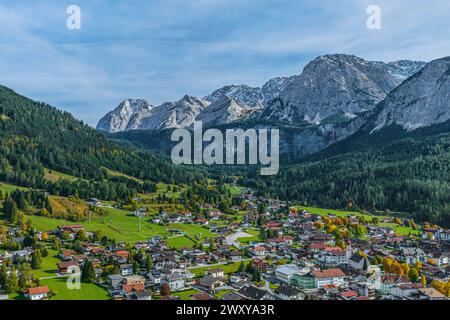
(347, 295)
(328, 276)
(38, 293)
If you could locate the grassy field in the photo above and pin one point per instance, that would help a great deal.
(185, 295)
(113, 173)
(53, 176)
(247, 240)
(88, 291)
(401, 230)
(180, 242)
(121, 225)
(339, 213)
(234, 190)
(49, 265)
(5, 187)
(227, 268)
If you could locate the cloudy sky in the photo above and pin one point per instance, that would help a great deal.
(162, 49)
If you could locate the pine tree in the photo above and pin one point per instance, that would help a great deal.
(88, 272)
(149, 263)
(241, 267)
(256, 275)
(12, 282)
(10, 209)
(36, 259)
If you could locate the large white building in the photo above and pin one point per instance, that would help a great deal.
(285, 272)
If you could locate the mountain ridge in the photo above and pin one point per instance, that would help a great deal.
(263, 101)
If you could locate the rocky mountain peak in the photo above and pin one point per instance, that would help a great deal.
(119, 119)
(333, 84)
(422, 100)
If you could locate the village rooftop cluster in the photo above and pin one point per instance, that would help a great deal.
(275, 252)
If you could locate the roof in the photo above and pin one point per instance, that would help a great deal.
(253, 292)
(128, 288)
(431, 292)
(66, 264)
(287, 290)
(357, 258)
(259, 249)
(38, 290)
(72, 226)
(201, 296)
(123, 253)
(208, 281)
(215, 270)
(349, 294)
(328, 273)
(393, 278)
(232, 296)
(288, 269)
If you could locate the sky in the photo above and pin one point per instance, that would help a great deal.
(160, 50)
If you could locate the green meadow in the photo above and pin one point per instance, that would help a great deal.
(87, 291)
(122, 225)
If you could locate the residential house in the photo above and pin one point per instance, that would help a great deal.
(253, 293)
(126, 269)
(288, 292)
(430, 294)
(215, 273)
(39, 293)
(386, 283)
(210, 282)
(175, 282)
(328, 276)
(259, 251)
(68, 267)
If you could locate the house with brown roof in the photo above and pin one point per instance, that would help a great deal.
(68, 267)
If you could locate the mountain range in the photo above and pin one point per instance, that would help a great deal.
(330, 100)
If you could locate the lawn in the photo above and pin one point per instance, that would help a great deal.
(163, 189)
(234, 190)
(48, 266)
(227, 268)
(339, 213)
(247, 240)
(180, 242)
(121, 225)
(401, 230)
(88, 291)
(221, 293)
(185, 295)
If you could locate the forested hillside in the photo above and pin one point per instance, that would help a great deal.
(391, 170)
(35, 135)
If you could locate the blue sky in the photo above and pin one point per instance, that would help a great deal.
(161, 50)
